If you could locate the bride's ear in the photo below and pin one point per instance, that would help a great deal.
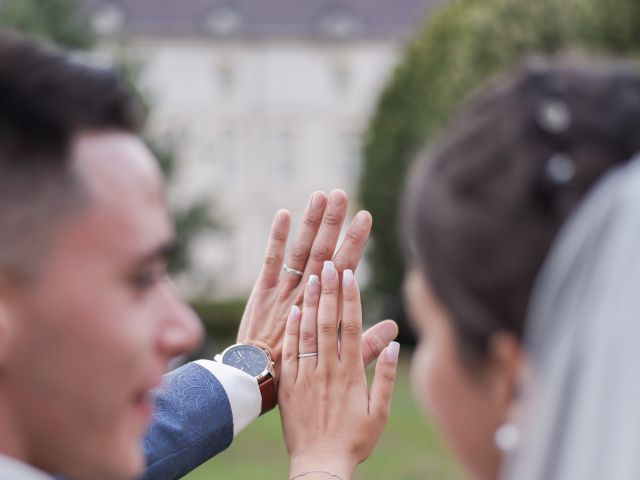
(507, 358)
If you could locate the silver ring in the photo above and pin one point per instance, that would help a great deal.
(307, 355)
(292, 271)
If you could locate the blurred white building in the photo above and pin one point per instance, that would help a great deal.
(264, 100)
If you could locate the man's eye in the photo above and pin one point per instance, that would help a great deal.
(146, 280)
(143, 281)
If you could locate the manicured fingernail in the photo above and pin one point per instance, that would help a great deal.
(295, 310)
(347, 278)
(314, 280)
(281, 216)
(393, 350)
(362, 218)
(317, 201)
(337, 198)
(329, 270)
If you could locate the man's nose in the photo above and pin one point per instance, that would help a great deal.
(182, 330)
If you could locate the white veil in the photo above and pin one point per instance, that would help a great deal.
(583, 338)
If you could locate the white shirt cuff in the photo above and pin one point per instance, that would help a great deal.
(242, 391)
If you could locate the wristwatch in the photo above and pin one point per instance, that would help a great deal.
(256, 362)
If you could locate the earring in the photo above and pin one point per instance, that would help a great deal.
(560, 169)
(553, 116)
(507, 437)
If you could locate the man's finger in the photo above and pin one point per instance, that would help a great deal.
(355, 241)
(376, 338)
(301, 246)
(274, 254)
(324, 245)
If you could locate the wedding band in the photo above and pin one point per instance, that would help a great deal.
(307, 355)
(292, 271)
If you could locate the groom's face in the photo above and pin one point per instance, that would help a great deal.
(94, 331)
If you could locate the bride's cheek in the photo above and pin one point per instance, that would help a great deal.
(420, 370)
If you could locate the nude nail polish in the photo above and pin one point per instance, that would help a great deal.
(329, 271)
(347, 278)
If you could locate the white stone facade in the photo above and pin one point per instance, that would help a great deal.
(258, 124)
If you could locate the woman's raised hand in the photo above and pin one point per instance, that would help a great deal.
(331, 420)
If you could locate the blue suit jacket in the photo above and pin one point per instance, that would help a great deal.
(192, 423)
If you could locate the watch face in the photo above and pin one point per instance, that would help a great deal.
(247, 358)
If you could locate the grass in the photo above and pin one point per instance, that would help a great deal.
(410, 448)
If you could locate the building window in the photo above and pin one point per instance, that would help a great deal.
(352, 151)
(108, 19)
(225, 73)
(227, 155)
(338, 22)
(341, 73)
(284, 160)
(223, 20)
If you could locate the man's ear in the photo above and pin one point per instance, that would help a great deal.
(507, 360)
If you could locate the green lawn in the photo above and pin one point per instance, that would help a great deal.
(409, 449)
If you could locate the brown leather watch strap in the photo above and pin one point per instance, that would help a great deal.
(269, 394)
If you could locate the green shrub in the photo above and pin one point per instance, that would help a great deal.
(611, 26)
(220, 318)
(459, 47)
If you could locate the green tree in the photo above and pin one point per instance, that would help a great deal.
(61, 22)
(611, 27)
(189, 221)
(459, 47)
(57, 21)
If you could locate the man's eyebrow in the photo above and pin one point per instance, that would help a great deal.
(161, 252)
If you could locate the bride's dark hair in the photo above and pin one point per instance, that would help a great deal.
(485, 204)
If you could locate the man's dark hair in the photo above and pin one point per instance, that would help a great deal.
(47, 97)
(488, 201)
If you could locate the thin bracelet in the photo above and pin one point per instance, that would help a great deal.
(331, 474)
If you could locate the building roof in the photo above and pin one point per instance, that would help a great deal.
(234, 18)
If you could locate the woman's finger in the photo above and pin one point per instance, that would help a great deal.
(308, 326)
(290, 346)
(274, 254)
(301, 246)
(383, 382)
(351, 329)
(328, 317)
